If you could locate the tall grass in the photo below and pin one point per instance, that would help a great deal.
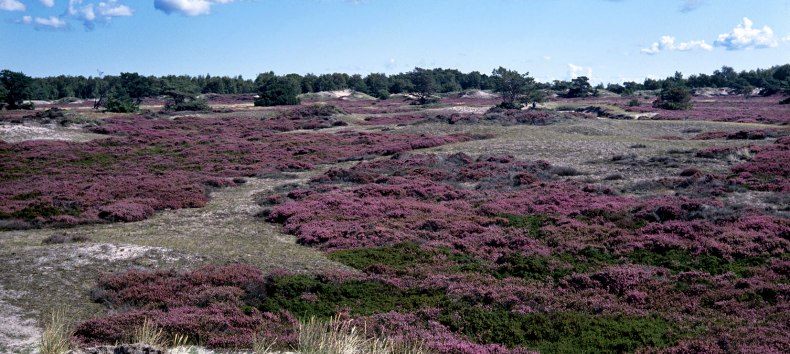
(149, 333)
(338, 336)
(55, 337)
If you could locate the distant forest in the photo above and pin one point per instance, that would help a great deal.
(770, 81)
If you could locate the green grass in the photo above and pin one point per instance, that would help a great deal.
(306, 296)
(400, 256)
(556, 267)
(532, 222)
(560, 332)
(683, 261)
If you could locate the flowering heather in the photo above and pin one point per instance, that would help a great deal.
(204, 305)
(394, 119)
(508, 236)
(769, 169)
(158, 164)
(720, 109)
(732, 109)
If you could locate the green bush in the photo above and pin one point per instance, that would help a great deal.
(560, 332)
(306, 297)
(674, 98)
(189, 105)
(633, 103)
(400, 256)
(121, 106)
(278, 91)
(677, 260)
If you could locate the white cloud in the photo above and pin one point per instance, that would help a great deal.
(91, 13)
(50, 22)
(546, 57)
(786, 39)
(112, 9)
(668, 43)
(27, 20)
(744, 36)
(47, 3)
(188, 7)
(390, 63)
(575, 71)
(12, 5)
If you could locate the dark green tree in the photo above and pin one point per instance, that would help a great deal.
(17, 88)
(580, 87)
(278, 91)
(136, 87)
(357, 83)
(378, 85)
(514, 87)
(676, 97)
(423, 85)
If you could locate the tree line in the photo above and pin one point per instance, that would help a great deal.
(16, 87)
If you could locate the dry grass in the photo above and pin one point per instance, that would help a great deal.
(55, 337)
(149, 333)
(338, 336)
(262, 345)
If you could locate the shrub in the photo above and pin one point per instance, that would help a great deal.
(634, 103)
(674, 98)
(561, 332)
(197, 104)
(278, 91)
(121, 106)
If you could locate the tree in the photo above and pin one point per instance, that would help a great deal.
(580, 87)
(278, 91)
(515, 88)
(676, 97)
(135, 87)
(17, 89)
(423, 85)
(356, 83)
(378, 85)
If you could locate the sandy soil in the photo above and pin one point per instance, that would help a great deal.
(14, 133)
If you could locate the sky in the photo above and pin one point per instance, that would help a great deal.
(610, 41)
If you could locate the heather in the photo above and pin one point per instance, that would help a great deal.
(494, 254)
(149, 164)
(508, 240)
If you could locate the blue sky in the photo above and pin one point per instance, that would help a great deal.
(609, 40)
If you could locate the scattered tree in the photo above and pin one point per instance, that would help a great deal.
(515, 88)
(424, 85)
(580, 87)
(277, 90)
(378, 85)
(674, 97)
(16, 86)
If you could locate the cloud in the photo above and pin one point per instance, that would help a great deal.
(91, 13)
(391, 63)
(668, 43)
(786, 39)
(112, 9)
(12, 5)
(575, 71)
(48, 23)
(691, 5)
(546, 57)
(47, 3)
(188, 7)
(744, 36)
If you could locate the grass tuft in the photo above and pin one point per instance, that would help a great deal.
(149, 333)
(338, 336)
(55, 338)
